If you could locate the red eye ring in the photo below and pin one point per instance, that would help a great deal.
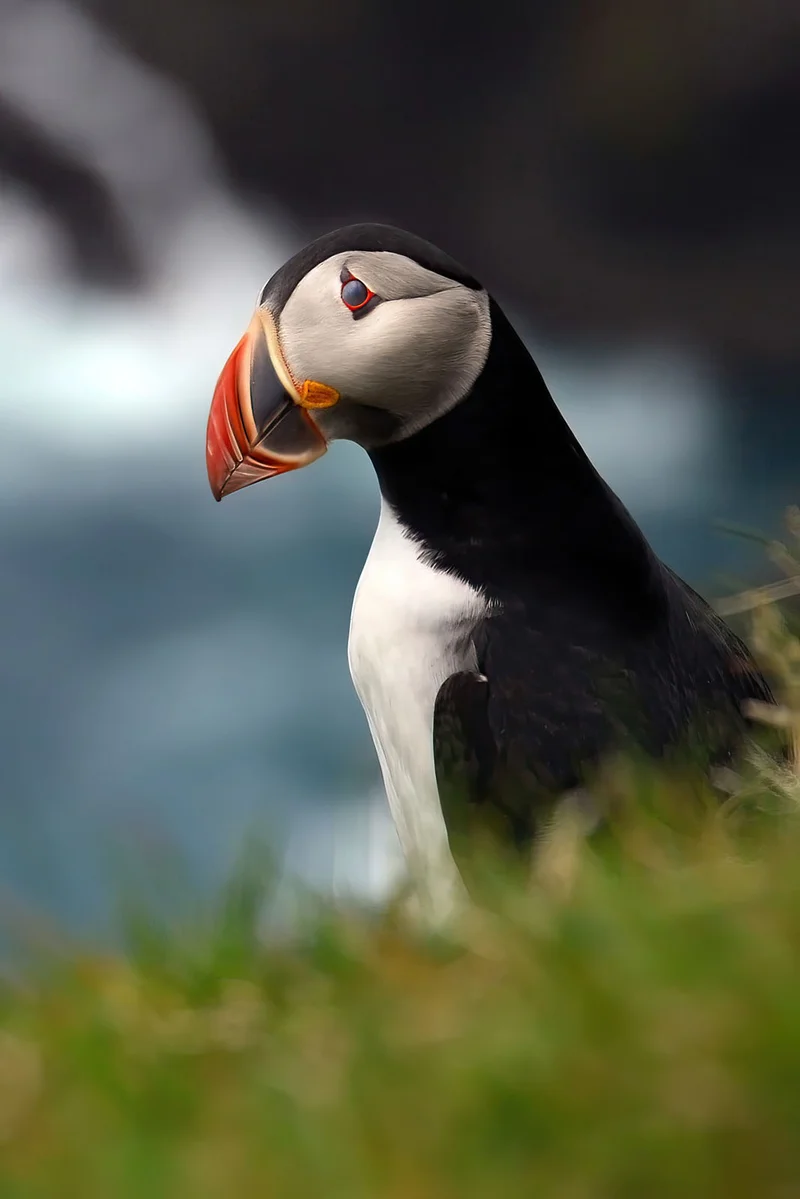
(355, 294)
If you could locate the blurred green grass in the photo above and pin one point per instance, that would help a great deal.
(626, 1022)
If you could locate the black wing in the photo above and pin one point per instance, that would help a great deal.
(510, 739)
(546, 703)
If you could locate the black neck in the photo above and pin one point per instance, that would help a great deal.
(500, 491)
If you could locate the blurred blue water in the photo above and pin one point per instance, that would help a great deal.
(173, 671)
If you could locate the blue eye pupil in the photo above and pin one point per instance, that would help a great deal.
(354, 293)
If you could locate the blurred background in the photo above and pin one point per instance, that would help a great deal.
(622, 174)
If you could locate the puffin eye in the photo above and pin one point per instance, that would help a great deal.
(355, 294)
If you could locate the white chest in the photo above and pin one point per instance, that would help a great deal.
(411, 628)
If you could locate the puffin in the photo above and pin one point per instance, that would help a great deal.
(512, 626)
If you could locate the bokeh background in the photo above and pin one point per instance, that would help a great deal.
(623, 174)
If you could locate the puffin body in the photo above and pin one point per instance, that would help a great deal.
(512, 625)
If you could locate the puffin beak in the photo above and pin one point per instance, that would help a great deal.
(260, 422)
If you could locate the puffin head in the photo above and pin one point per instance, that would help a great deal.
(368, 334)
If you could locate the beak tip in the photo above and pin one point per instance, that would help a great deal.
(219, 486)
(216, 485)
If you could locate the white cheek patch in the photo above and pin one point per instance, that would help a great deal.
(416, 354)
(314, 323)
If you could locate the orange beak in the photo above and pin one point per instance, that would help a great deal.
(260, 422)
